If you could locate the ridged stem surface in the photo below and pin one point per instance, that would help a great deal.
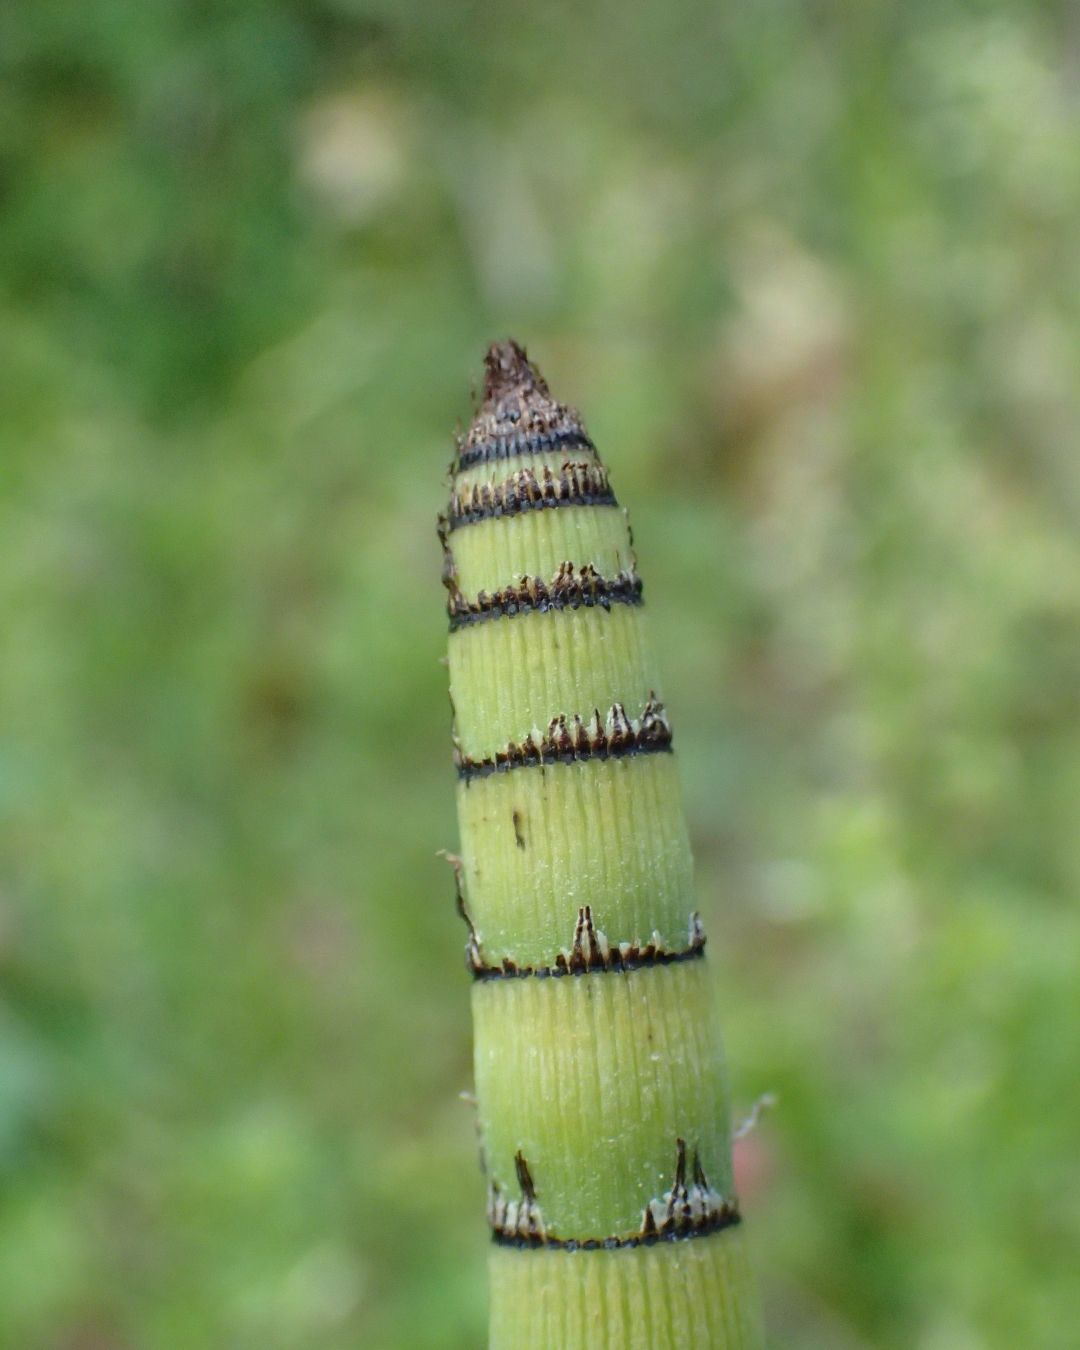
(602, 1104)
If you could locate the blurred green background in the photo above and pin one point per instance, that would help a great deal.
(812, 272)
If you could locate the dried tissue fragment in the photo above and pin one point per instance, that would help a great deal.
(688, 1209)
(518, 1220)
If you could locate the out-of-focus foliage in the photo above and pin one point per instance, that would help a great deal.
(812, 272)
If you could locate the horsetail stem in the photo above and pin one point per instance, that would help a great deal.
(602, 1104)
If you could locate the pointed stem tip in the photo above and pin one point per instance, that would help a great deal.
(507, 370)
(517, 415)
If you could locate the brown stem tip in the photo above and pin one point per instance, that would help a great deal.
(507, 370)
(518, 416)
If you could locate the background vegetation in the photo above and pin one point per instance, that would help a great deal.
(811, 270)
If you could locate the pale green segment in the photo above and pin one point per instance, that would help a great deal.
(496, 553)
(498, 470)
(694, 1295)
(593, 1078)
(605, 833)
(510, 676)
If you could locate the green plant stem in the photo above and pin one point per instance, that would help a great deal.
(602, 1103)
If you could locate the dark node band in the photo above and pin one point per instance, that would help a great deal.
(690, 1208)
(573, 485)
(640, 959)
(522, 443)
(725, 1219)
(568, 589)
(590, 954)
(569, 740)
